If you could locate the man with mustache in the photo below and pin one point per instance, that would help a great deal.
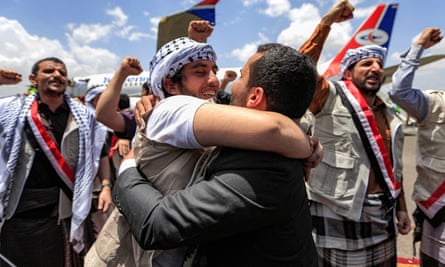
(49, 156)
(356, 191)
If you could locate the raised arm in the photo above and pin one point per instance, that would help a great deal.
(106, 109)
(341, 11)
(199, 30)
(412, 100)
(229, 76)
(8, 76)
(239, 127)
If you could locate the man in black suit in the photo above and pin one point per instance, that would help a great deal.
(250, 208)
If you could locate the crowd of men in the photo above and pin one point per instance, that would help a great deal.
(213, 184)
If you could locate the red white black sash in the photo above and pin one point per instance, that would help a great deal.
(372, 132)
(50, 148)
(435, 202)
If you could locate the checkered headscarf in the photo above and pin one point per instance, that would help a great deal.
(93, 92)
(172, 56)
(91, 95)
(354, 55)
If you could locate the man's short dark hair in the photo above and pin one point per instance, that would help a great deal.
(146, 88)
(124, 102)
(35, 67)
(287, 77)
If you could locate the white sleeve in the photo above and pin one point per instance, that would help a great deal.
(171, 121)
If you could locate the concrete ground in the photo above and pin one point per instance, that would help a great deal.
(404, 242)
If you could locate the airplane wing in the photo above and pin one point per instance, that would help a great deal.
(389, 71)
(176, 25)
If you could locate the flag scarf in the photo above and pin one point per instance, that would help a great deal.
(434, 203)
(49, 147)
(369, 124)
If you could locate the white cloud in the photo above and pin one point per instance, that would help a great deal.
(353, 2)
(302, 23)
(88, 33)
(322, 3)
(119, 15)
(90, 60)
(245, 52)
(124, 31)
(361, 13)
(250, 2)
(277, 8)
(154, 21)
(136, 36)
(21, 49)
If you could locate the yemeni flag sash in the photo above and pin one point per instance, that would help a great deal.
(434, 205)
(50, 148)
(372, 132)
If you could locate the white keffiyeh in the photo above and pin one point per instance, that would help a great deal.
(172, 56)
(91, 94)
(91, 140)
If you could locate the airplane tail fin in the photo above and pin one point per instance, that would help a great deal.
(376, 29)
(176, 25)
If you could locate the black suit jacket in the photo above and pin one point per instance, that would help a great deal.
(251, 210)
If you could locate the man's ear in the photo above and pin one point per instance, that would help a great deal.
(170, 86)
(347, 75)
(32, 79)
(256, 98)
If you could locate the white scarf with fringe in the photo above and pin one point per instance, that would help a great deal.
(91, 140)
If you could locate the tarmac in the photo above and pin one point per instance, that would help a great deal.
(405, 242)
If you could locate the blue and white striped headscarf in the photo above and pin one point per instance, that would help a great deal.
(172, 56)
(91, 95)
(354, 55)
(93, 92)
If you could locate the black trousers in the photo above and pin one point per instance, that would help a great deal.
(33, 242)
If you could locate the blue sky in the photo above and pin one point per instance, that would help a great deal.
(93, 36)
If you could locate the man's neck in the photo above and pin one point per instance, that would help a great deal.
(369, 95)
(53, 101)
(370, 99)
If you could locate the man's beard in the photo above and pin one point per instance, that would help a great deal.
(369, 91)
(239, 98)
(185, 91)
(366, 90)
